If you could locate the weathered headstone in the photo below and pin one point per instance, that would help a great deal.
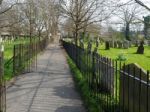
(140, 49)
(120, 44)
(107, 75)
(126, 44)
(130, 44)
(131, 94)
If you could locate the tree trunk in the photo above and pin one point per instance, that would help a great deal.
(76, 38)
(127, 32)
(76, 35)
(39, 35)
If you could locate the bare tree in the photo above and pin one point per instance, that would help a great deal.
(86, 12)
(50, 16)
(4, 8)
(128, 14)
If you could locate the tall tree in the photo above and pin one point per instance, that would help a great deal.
(128, 14)
(86, 12)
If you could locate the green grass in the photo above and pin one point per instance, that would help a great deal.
(130, 55)
(91, 103)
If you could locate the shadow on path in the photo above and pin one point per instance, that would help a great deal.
(50, 88)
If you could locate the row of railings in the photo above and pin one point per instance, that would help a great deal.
(25, 54)
(24, 57)
(2, 85)
(117, 86)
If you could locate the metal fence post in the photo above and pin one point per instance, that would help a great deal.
(2, 82)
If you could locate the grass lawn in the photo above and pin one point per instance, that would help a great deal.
(142, 60)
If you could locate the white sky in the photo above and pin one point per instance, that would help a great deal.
(144, 12)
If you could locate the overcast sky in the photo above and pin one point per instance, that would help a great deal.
(143, 12)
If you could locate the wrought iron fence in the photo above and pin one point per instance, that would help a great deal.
(25, 54)
(2, 85)
(117, 86)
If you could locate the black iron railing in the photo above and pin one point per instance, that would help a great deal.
(117, 86)
(25, 54)
(2, 85)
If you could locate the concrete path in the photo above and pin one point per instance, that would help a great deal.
(50, 88)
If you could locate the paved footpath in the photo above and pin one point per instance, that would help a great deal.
(50, 88)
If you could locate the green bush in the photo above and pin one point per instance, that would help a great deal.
(121, 57)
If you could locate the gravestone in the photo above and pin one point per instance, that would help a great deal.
(136, 43)
(130, 44)
(131, 94)
(140, 49)
(126, 44)
(148, 42)
(120, 45)
(111, 43)
(106, 76)
(115, 44)
(107, 46)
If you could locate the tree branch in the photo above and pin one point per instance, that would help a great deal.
(142, 4)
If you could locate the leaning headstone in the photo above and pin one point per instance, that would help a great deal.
(140, 49)
(130, 93)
